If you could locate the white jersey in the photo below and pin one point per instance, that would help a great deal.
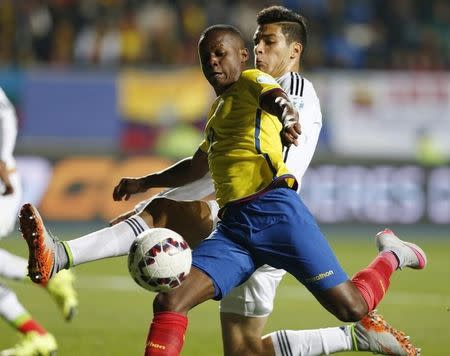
(8, 130)
(9, 204)
(302, 94)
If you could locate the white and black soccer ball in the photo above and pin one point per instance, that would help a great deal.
(159, 260)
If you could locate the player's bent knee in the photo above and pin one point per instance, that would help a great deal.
(157, 207)
(351, 313)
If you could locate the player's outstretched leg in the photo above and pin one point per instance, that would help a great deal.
(373, 333)
(35, 340)
(373, 281)
(41, 245)
(61, 289)
(407, 253)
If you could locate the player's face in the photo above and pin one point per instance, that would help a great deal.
(272, 53)
(222, 59)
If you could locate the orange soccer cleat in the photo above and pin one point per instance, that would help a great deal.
(373, 333)
(41, 245)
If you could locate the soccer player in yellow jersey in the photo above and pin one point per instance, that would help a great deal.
(279, 43)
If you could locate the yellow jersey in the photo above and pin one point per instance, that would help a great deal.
(243, 141)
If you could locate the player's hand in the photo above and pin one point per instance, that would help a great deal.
(127, 187)
(122, 217)
(4, 178)
(290, 120)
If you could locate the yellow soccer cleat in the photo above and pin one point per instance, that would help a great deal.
(33, 344)
(61, 289)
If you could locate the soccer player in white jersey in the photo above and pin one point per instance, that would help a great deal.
(279, 43)
(36, 340)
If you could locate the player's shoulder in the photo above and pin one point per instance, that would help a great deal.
(4, 101)
(295, 84)
(3, 97)
(255, 75)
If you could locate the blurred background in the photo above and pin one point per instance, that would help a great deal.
(111, 88)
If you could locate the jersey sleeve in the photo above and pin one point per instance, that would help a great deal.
(259, 83)
(8, 130)
(308, 105)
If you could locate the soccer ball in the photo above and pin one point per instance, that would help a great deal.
(159, 260)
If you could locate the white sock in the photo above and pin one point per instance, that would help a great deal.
(10, 308)
(311, 342)
(12, 266)
(109, 242)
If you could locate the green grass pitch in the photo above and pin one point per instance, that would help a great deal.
(115, 313)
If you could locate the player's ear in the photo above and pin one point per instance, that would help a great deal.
(296, 50)
(244, 55)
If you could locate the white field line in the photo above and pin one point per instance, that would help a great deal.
(126, 284)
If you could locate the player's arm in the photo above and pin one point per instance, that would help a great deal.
(185, 171)
(6, 143)
(276, 102)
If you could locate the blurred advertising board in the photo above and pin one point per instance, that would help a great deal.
(80, 189)
(387, 114)
(163, 97)
(382, 194)
(69, 108)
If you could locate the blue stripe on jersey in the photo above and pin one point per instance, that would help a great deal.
(258, 143)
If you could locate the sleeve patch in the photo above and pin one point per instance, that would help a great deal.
(266, 79)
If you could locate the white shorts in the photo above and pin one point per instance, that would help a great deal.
(9, 206)
(255, 297)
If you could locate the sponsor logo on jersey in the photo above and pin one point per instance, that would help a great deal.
(266, 79)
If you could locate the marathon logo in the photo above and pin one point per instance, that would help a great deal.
(319, 276)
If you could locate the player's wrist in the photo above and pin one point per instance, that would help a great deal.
(146, 182)
(154, 180)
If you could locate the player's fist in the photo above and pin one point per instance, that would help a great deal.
(127, 187)
(290, 120)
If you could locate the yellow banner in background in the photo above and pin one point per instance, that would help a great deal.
(154, 97)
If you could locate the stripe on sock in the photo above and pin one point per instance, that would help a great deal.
(137, 224)
(287, 344)
(136, 233)
(284, 343)
(280, 343)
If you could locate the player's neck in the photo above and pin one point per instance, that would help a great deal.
(294, 67)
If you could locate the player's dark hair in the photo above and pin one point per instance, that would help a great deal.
(293, 25)
(223, 28)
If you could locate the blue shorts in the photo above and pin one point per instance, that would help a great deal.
(275, 228)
